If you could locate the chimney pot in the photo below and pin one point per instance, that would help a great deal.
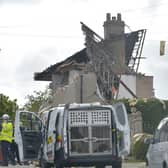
(119, 16)
(108, 17)
(113, 18)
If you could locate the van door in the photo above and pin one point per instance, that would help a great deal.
(28, 135)
(123, 129)
(158, 150)
(90, 131)
(51, 135)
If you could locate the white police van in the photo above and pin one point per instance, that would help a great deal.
(157, 154)
(74, 135)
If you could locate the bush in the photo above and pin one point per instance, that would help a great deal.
(153, 110)
(139, 148)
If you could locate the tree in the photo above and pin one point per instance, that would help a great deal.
(152, 110)
(35, 101)
(8, 106)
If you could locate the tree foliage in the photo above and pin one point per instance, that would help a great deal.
(8, 106)
(153, 110)
(35, 100)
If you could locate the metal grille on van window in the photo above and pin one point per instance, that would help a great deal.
(90, 132)
(100, 117)
(78, 117)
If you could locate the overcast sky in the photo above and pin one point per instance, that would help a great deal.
(35, 34)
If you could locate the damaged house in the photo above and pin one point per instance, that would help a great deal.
(107, 68)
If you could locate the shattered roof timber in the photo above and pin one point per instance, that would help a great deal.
(82, 57)
(74, 61)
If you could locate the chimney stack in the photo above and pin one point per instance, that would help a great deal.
(114, 37)
(113, 26)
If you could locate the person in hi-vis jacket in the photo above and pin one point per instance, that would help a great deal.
(6, 137)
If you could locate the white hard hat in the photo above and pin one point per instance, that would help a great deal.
(5, 117)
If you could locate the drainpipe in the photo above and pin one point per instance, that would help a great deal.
(81, 88)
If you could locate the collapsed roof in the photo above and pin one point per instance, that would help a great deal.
(81, 57)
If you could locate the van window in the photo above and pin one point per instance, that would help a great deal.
(161, 134)
(120, 115)
(164, 133)
(29, 122)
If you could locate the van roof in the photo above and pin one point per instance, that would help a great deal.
(162, 122)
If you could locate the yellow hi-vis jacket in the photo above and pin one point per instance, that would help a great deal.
(7, 132)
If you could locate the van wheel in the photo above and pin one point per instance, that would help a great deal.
(59, 166)
(100, 166)
(146, 162)
(45, 164)
(42, 162)
(165, 165)
(117, 165)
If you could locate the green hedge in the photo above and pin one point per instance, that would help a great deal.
(153, 110)
(138, 147)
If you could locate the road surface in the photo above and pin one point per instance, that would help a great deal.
(125, 165)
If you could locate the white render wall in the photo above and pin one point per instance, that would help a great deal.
(71, 93)
(130, 81)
